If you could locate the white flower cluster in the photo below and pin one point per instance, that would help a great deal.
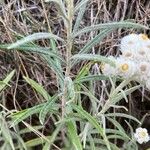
(141, 135)
(134, 61)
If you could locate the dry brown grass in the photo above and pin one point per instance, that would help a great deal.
(30, 16)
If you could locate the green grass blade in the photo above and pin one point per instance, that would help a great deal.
(33, 37)
(112, 25)
(72, 131)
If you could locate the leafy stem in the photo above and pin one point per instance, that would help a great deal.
(69, 42)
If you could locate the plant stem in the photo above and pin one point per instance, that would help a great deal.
(69, 38)
(70, 9)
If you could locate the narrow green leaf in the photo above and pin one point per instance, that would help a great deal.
(47, 145)
(119, 127)
(4, 46)
(49, 105)
(52, 64)
(122, 115)
(38, 88)
(23, 114)
(114, 131)
(80, 5)
(58, 62)
(101, 142)
(36, 141)
(116, 98)
(6, 80)
(119, 96)
(33, 37)
(70, 88)
(27, 130)
(112, 25)
(93, 121)
(92, 144)
(61, 9)
(92, 57)
(116, 137)
(41, 50)
(80, 16)
(73, 135)
(83, 72)
(5, 132)
(21, 145)
(95, 41)
(90, 118)
(91, 78)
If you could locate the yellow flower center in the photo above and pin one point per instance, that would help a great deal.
(142, 134)
(124, 67)
(144, 37)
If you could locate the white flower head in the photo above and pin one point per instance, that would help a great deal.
(128, 55)
(141, 135)
(141, 54)
(107, 69)
(125, 68)
(143, 72)
(129, 43)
